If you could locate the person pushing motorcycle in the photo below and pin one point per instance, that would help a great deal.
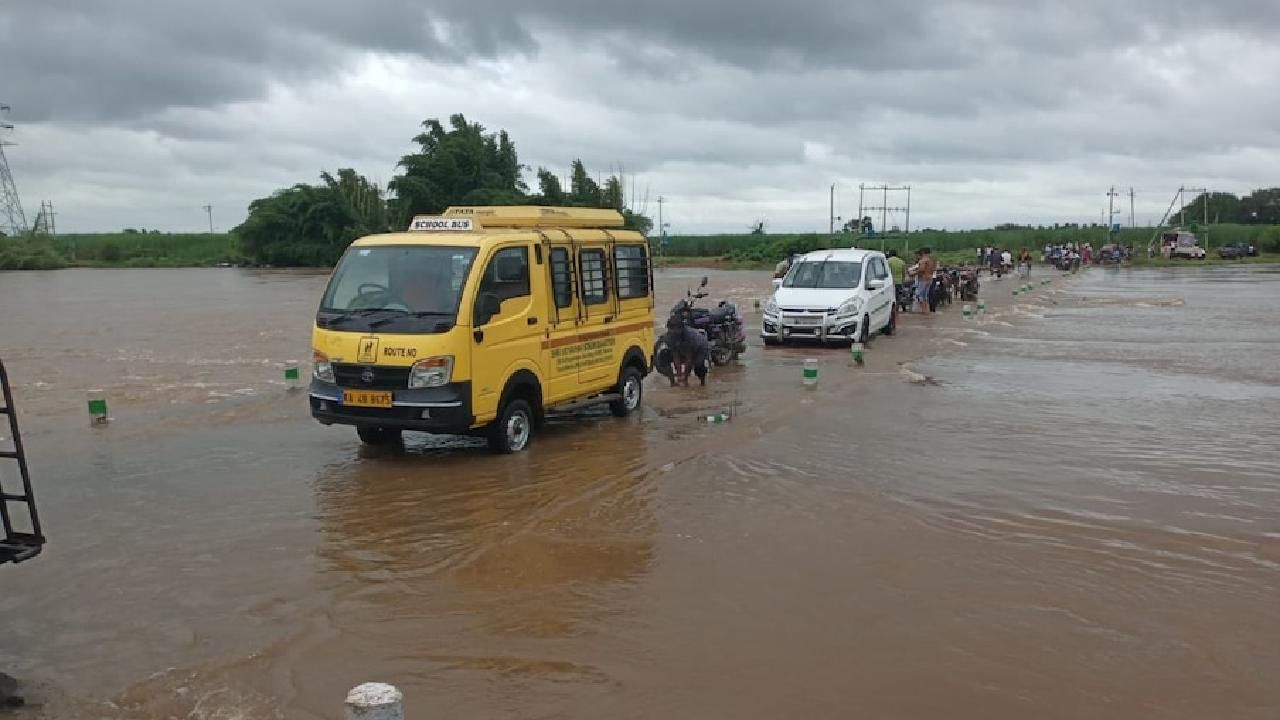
(682, 350)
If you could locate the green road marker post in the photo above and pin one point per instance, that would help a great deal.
(292, 377)
(97, 408)
(810, 372)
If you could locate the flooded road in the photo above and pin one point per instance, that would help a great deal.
(1066, 509)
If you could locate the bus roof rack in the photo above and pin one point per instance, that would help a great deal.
(532, 216)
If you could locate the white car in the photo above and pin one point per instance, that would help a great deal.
(832, 296)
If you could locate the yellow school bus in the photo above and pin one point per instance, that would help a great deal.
(481, 321)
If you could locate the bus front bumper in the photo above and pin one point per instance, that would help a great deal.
(445, 409)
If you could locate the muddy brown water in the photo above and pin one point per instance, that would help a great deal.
(1075, 515)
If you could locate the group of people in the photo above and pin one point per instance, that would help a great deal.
(1066, 256)
(1000, 261)
(923, 274)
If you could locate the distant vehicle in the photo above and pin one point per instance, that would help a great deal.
(1237, 250)
(483, 320)
(831, 296)
(1181, 244)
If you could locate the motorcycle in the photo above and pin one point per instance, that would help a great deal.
(906, 295)
(968, 285)
(722, 326)
(944, 283)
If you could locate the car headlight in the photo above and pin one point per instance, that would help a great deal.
(321, 368)
(431, 372)
(852, 306)
(771, 307)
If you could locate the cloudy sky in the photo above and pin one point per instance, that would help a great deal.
(136, 113)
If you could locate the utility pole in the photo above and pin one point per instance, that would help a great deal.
(832, 230)
(1181, 220)
(908, 221)
(884, 216)
(1132, 221)
(1111, 213)
(662, 228)
(209, 209)
(861, 189)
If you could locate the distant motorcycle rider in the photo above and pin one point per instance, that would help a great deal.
(682, 350)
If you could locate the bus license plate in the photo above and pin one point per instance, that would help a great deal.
(366, 398)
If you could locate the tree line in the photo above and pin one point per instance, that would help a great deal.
(1260, 207)
(456, 164)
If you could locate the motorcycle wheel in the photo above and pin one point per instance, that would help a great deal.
(721, 356)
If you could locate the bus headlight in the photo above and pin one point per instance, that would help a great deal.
(321, 368)
(431, 372)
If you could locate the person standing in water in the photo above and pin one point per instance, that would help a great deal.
(898, 270)
(926, 268)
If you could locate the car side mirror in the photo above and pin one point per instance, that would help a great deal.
(777, 283)
(487, 305)
(875, 284)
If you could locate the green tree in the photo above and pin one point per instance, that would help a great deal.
(1261, 207)
(1222, 208)
(635, 221)
(458, 165)
(583, 191)
(549, 190)
(311, 225)
(611, 194)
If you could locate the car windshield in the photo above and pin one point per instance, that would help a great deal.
(824, 274)
(396, 288)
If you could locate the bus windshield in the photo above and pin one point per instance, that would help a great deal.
(397, 288)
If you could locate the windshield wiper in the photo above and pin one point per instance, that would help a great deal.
(353, 313)
(408, 314)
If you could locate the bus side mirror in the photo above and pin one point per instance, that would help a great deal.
(487, 305)
(704, 282)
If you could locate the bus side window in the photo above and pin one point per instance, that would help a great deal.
(632, 271)
(561, 277)
(595, 283)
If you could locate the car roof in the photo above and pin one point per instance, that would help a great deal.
(840, 254)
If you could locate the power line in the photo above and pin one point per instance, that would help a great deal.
(885, 208)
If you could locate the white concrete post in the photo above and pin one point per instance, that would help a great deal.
(375, 701)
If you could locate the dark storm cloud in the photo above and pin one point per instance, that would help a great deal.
(128, 107)
(119, 59)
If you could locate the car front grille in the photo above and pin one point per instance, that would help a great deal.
(380, 377)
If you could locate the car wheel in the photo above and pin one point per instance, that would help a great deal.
(631, 390)
(864, 333)
(374, 435)
(892, 326)
(513, 429)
